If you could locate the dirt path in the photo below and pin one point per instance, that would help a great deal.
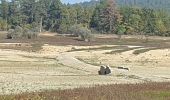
(55, 68)
(69, 60)
(27, 72)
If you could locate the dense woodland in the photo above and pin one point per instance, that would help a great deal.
(146, 17)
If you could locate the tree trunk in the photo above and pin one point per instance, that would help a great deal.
(41, 24)
(6, 24)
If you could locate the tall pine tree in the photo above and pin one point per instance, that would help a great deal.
(105, 16)
(54, 15)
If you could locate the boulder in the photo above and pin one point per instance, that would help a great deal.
(108, 71)
(102, 70)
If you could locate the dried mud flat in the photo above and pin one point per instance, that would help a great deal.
(60, 67)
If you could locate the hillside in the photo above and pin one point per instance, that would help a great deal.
(165, 4)
(146, 3)
(91, 3)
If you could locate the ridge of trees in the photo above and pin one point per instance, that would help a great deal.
(104, 16)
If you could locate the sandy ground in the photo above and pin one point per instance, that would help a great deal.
(151, 66)
(54, 68)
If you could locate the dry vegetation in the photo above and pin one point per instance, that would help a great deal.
(53, 62)
(145, 91)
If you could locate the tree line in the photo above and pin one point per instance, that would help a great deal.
(105, 16)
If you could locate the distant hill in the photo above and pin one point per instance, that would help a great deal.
(156, 4)
(91, 3)
(165, 4)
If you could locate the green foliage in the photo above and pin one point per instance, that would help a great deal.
(85, 34)
(54, 12)
(16, 33)
(145, 21)
(4, 9)
(20, 32)
(121, 30)
(75, 29)
(65, 20)
(104, 16)
(80, 31)
(3, 24)
(10, 33)
(29, 34)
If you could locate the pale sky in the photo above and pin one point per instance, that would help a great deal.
(70, 1)
(73, 1)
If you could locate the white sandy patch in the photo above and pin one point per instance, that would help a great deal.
(55, 68)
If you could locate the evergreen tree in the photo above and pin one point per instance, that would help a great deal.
(149, 21)
(28, 8)
(65, 20)
(105, 16)
(40, 13)
(4, 9)
(80, 12)
(14, 13)
(72, 15)
(4, 12)
(54, 13)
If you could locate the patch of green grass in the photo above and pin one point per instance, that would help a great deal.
(137, 52)
(33, 57)
(90, 61)
(93, 61)
(158, 95)
(121, 51)
(120, 75)
(99, 48)
(33, 48)
(28, 64)
(144, 91)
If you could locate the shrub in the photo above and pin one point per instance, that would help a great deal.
(10, 33)
(30, 33)
(15, 33)
(166, 34)
(121, 30)
(74, 30)
(129, 30)
(3, 24)
(20, 32)
(83, 32)
(63, 29)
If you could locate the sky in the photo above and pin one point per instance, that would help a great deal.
(73, 1)
(70, 1)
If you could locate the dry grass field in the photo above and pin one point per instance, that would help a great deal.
(57, 63)
(146, 91)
